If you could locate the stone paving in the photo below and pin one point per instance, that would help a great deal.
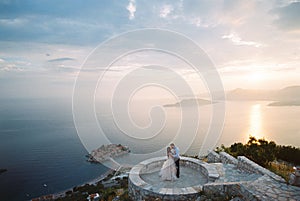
(188, 177)
(261, 186)
(230, 173)
(265, 188)
(144, 182)
(240, 180)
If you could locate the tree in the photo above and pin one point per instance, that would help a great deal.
(237, 149)
(289, 154)
(258, 150)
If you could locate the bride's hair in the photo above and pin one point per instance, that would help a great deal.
(168, 151)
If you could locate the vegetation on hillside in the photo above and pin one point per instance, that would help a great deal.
(277, 158)
(120, 190)
(263, 152)
(268, 154)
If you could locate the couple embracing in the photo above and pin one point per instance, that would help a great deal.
(170, 169)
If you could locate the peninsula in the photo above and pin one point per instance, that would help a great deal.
(224, 174)
(189, 102)
(105, 152)
(285, 103)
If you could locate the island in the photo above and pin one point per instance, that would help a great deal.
(285, 103)
(189, 102)
(288, 96)
(231, 174)
(105, 152)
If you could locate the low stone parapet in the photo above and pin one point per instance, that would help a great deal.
(249, 166)
(227, 158)
(234, 189)
(242, 163)
(264, 186)
(213, 157)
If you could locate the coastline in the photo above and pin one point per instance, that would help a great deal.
(114, 185)
(99, 155)
(285, 103)
(62, 193)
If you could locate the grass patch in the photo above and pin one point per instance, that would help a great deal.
(282, 169)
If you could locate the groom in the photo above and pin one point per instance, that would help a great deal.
(176, 158)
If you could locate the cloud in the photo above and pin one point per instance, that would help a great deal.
(15, 22)
(156, 68)
(58, 39)
(61, 59)
(233, 37)
(132, 9)
(13, 65)
(288, 16)
(165, 11)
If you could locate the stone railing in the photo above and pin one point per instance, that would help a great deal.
(206, 169)
(227, 158)
(249, 166)
(213, 157)
(242, 163)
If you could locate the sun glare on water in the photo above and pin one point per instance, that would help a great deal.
(255, 121)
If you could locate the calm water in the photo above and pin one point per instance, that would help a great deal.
(280, 124)
(41, 150)
(242, 119)
(39, 144)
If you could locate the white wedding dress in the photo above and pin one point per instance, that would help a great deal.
(168, 170)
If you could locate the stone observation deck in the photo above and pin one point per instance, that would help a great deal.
(223, 174)
(144, 180)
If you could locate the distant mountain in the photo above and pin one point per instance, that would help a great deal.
(250, 94)
(286, 96)
(285, 103)
(189, 102)
(289, 93)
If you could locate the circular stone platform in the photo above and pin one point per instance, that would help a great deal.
(145, 183)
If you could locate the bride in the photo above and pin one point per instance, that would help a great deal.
(168, 170)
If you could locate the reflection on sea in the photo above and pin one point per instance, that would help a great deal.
(243, 118)
(255, 122)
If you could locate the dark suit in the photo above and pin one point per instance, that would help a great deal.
(177, 160)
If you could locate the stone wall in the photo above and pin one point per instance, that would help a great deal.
(213, 157)
(243, 163)
(249, 166)
(227, 158)
(139, 190)
(234, 189)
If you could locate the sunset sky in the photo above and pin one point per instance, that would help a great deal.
(253, 44)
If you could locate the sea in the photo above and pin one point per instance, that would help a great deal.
(40, 149)
(43, 153)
